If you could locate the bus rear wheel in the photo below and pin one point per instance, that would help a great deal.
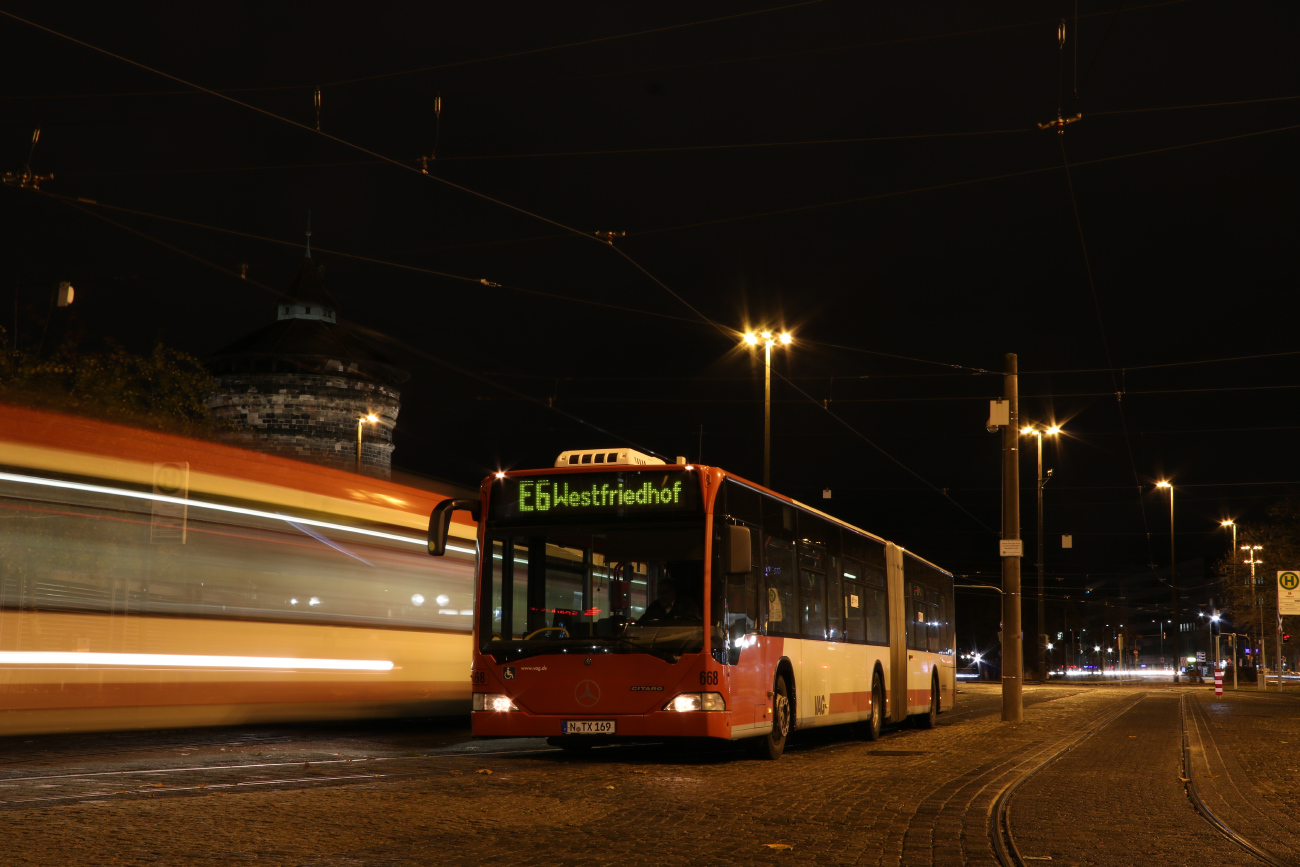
(872, 728)
(772, 744)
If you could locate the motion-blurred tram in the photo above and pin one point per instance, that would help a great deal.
(151, 580)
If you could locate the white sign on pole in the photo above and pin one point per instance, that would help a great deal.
(1011, 548)
(1067, 540)
(1288, 592)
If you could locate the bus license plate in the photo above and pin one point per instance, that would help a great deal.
(589, 727)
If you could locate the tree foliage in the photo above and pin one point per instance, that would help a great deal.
(1279, 534)
(164, 388)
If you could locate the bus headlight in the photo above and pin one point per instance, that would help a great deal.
(493, 701)
(688, 701)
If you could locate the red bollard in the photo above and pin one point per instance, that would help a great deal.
(1218, 680)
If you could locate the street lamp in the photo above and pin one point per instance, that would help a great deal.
(1042, 480)
(1258, 618)
(1217, 656)
(1173, 574)
(768, 339)
(370, 418)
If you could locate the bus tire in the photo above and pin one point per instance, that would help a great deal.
(872, 728)
(931, 719)
(772, 744)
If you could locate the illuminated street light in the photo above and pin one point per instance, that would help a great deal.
(768, 339)
(369, 418)
(1030, 430)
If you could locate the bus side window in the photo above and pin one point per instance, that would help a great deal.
(501, 610)
(933, 622)
(778, 574)
(877, 606)
(855, 602)
(815, 535)
(946, 613)
(834, 600)
(915, 616)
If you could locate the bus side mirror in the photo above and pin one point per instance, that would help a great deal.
(440, 522)
(738, 550)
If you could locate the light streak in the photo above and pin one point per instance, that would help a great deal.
(181, 660)
(217, 507)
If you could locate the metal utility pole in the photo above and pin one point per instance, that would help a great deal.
(768, 339)
(767, 414)
(1013, 665)
(1041, 637)
(1173, 579)
(1258, 612)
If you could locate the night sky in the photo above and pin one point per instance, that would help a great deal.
(870, 177)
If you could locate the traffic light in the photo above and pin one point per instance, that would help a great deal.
(1286, 638)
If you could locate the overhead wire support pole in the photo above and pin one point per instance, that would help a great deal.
(1040, 637)
(1012, 636)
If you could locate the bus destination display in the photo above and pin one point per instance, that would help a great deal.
(565, 497)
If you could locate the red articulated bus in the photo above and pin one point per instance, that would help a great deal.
(622, 599)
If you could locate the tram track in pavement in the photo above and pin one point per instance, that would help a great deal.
(30, 790)
(1007, 846)
(25, 790)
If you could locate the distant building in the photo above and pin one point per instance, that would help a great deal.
(298, 386)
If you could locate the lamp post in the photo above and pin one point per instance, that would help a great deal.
(1042, 480)
(768, 339)
(1254, 606)
(370, 418)
(1173, 576)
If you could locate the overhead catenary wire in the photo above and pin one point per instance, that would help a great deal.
(725, 332)
(532, 81)
(682, 300)
(1119, 392)
(951, 184)
(459, 277)
(372, 333)
(705, 148)
(576, 44)
(267, 113)
(84, 204)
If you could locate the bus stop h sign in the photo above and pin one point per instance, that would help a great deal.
(1288, 592)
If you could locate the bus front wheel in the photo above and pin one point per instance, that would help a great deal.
(772, 744)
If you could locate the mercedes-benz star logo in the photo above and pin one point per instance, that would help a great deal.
(586, 693)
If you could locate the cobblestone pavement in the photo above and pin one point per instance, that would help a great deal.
(1118, 798)
(1245, 751)
(286, 797)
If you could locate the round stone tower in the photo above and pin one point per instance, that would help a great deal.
(300, 386)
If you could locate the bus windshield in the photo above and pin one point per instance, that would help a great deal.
(594, 589)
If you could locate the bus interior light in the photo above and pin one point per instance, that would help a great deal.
(689, 701)
(493, 701)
